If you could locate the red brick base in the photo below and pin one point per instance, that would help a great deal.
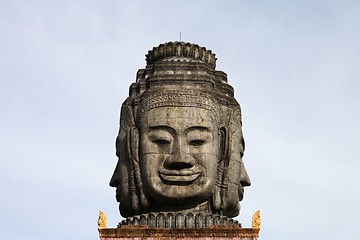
(146, 233)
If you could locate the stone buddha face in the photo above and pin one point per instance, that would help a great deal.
(180, 142)
(178, 155)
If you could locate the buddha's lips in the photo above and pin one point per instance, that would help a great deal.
(179, 176)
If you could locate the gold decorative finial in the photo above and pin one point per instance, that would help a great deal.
(101, 220)
(256, 221)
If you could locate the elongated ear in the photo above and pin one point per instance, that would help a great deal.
(132, 145)
(217, 200)
(134, 148)
(224, 140)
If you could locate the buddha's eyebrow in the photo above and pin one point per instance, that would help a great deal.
(199, 128)
(162, 127)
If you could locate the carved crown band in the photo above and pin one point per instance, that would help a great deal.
(177, 98)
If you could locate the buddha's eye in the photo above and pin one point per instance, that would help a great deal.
(161, 142)
(197, 142)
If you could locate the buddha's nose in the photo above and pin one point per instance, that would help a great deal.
(179, 159)
(244, 177)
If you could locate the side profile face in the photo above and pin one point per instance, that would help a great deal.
(178, 155)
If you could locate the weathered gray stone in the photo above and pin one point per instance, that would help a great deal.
(179, 220)
(180, 143)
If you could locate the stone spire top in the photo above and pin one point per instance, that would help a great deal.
(181, 51)
(184, 65)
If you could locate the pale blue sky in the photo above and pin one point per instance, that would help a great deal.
(65, 69)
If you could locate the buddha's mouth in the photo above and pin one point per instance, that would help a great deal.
(179, 176)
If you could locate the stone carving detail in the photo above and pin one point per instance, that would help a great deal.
(179, 220)
(180, 143)
(178, 98)
(183, 51)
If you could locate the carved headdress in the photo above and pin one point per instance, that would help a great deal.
(181, 74)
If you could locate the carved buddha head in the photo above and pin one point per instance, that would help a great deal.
(180, 143)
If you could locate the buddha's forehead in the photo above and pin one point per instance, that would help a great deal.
(179, 117)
